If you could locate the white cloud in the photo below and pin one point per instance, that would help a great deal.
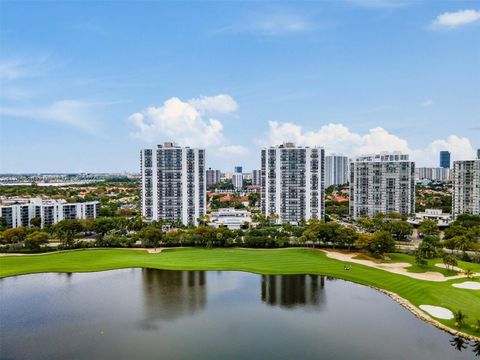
(427, 103)
(452, 20)
(70, 112)
(183, 122)
(271, 24)
(340, 139)
(219, 104)
(17, 68)
(230, 150)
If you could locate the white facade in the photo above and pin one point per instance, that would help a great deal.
(382, 183)
(49, 211)
(237, 180)
(336, 170)
(293, 183)
(466, 187)
(230, 218)
(434, 174)
(173, 183)
(442, 219)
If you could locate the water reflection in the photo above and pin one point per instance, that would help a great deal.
(476, 348)
(459, 343)
(289, 291)
(172, 294)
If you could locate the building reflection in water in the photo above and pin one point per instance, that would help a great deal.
(169, 295)
(290, 291)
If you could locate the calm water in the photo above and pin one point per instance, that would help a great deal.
(146, 314)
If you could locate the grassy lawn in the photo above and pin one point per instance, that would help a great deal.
(283, 261)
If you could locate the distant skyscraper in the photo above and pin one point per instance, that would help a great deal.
(336, 170)
(213, 176)
(238, 169)
(257, 177)
(445, 159)
(173, 183)
(478, 154)
(382, 183)
(434, 174)
(237, 180)
(293, 183)
(466, 187)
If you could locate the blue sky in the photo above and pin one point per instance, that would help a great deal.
(85, 85)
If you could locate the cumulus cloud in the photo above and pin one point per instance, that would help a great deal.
(340, 139)
(219, 104)
(427, 103)
(76, 113)
(452, 20)
(184, 122)
(233, 150)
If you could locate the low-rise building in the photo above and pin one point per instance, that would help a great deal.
(442, 219)
(19, 212)
(231, 218)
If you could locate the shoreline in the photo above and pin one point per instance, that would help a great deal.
(423, 316)
(394, 296)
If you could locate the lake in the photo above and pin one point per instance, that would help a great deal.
(146, 313)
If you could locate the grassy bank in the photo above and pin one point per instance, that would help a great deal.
(284, 261)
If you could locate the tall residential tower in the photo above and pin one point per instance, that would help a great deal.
(382, 183)
(173, 183)
(466, 187)
(336, 170)
(293, 183)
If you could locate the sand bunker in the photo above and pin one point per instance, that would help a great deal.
(471, 285)
(437, 311)
(396, 268)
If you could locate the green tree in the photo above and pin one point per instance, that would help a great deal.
(430, 247)
(428, 228)
(36, 222)
(460, 318)
(66, 230)
(348, 237)
(419, 259)
(449, 261)
(3, 223)
(35, 239)
(14, 235)
(400, 229)
(150, 236)
(383, 242)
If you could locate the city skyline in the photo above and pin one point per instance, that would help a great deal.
(256, 76)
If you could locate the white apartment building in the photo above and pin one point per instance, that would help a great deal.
(173, 183)
(237, 180)
(382, 183)
(293, 183)
(466, 187)
(432, 173)
(19, 212)
(336, 170)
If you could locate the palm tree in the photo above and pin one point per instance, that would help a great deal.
(469, 273)
(460, 318)
(463, 244)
